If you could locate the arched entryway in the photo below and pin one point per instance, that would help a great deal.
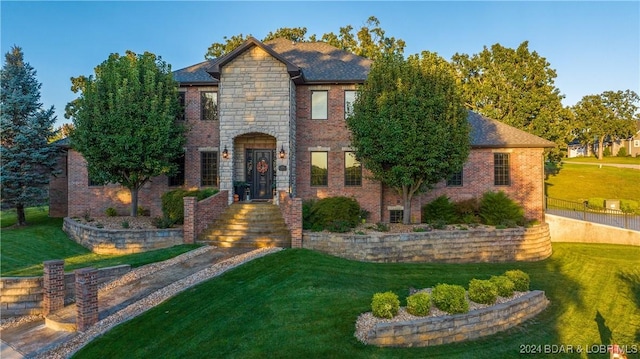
(255, 165)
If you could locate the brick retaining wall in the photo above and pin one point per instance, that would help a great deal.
(121, 241)
(25, 295)
(478, 323)
(291, 209)
(199, 214)
(455, 246)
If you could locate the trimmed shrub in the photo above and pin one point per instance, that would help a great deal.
(466, 207)
(306, 213)
(419, 304)
(111, 212)
(385, 305)
(335, 213)
(496, 208)
(162, 222)
(450, 298)
(519, 278)
(440, 209)
(173, 204)
(622, 152)
(629, 206)
(606, 152)
(596, 203)
(504, 284)
(483, 291)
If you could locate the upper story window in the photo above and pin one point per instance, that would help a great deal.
(455, 180)
(208, 105)
(319, 169)
(181, 101)
(352, 170)
(636, 143)
(178, 178)
(349, 99)
(501, 173)
(209, 168)
(319, 105)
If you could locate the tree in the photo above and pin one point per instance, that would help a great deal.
(515, 86)
(369, 41)
(125, 121)
(27, 159)
(62, 132)
(409, 127)
(608, 115)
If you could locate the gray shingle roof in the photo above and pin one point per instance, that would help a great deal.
(490, 133)
(195, 74)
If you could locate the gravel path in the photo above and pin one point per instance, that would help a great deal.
(68, 348)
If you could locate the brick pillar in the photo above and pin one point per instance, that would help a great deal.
(296, 223)
(86, 298)
(53, 285)
(189, 227)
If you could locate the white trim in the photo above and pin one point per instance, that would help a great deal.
(319, 149)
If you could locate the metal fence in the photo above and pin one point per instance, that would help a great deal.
(581, 211)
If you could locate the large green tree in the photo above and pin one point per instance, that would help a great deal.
(409, 127)
(611, 115)
(369, 41)
(125, 121)
(515, 86)
(27, 159)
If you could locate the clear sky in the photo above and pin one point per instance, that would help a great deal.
(593, 46)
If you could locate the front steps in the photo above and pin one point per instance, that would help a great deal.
(248, 224)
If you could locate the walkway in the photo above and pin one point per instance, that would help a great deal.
(123, 299)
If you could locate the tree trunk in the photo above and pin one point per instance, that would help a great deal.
(406, 201)
(22, 220)
(134, 202)
(601, 148)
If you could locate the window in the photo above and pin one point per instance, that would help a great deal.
(501, 176)
(208, 168)
(349, 99)
(455, 180)
(395, 215)
(181, 100)
(319, 107)
(319, 169)
(178, 178)
(208, 106)
(636, 143)
(352, 170)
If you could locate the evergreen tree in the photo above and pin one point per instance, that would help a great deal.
(27, 158)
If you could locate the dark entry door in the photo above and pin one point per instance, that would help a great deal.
(260, 173)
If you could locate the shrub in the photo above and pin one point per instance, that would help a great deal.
(496, 208)
(519, 278)
(483, 291)
(327, 212)
(450, 298)
(419, 304)
(467, 207)
(385, 305)
(142, 211)
(504, 284)
(606, 152)
(381, 227)
(338, 226)
(629, 206)
(440, 209)
(306, 213)
(173, 204)
(163, 222)
(125, 224)
(622, 152)
(596, 203)
(111, 212)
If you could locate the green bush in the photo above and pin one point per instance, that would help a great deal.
(519, 278)
(504, 284)
(629, 206)
(381, 227)
(173, 204)
(596, 203)
(306, 213)
(466, 207)
(385, 305)
(496, 208)
(483, 291)
(125, 224)
(450, 298)
(440, 209)
(606, 152)
(419, 304)
(622, 152)
(163, 222)
(111, 212)
(335, 213)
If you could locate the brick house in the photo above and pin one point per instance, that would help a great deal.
(272, 115)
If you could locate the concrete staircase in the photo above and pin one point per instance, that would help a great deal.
(248, 224)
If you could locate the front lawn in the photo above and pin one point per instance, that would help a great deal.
(23, 249)
(579, 182)
(610, 159)
(303, 304)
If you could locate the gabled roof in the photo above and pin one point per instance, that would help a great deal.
(306, 62)
(490, 133)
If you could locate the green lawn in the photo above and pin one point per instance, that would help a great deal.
(22, 250)
(577, 182)
(620, 160)
(302, 304)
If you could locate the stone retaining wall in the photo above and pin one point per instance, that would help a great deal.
(454, 246)
(121, 241)
(24, 295)
(460, 327)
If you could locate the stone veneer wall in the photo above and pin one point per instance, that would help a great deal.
(456, 246)
(121, 241)
(456, 328)
(199, 214)
(291, 209)
(24, 295)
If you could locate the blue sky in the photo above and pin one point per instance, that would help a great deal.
(593, 46)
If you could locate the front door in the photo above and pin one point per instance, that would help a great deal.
(260, 173)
